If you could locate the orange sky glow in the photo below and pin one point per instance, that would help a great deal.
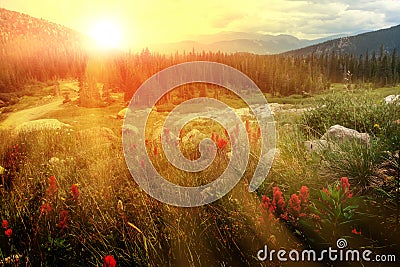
(137, 23)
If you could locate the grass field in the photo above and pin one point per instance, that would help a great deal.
(68, 199)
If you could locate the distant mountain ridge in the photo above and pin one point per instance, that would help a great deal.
(232, 42)
(356, 45)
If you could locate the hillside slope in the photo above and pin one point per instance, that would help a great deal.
(356, 45)
(35, 49)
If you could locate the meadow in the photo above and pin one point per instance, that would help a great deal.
(68, 199)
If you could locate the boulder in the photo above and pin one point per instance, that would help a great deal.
(41, 125)
(392, 99)
(338, 132)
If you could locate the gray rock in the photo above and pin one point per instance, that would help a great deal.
(392, 99)
(338, 132)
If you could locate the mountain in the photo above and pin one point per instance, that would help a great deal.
(231, 42)
(388, 39)
(32, 48)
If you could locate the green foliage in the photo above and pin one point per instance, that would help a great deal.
(333, 214)
(359, 111)
(353, 159)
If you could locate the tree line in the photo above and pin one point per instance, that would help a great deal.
(23, 62)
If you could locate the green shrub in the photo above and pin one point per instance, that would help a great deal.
(354, 159)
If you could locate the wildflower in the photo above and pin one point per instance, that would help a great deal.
(303, 194)
(345, 183)
(278, 200)
(222, 143)
(155, 151)
(45, 208)
(326, 191)
(248, 127)
(294, 205)
(146, 142)
(376, 125)
(142, 163)
(75, 191)
(5, 224)
(63, 219)
(8, 232)
(258, 135)
(109, 261)
(52, 186)
(354, 231)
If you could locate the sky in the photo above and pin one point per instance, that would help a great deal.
(161, 21)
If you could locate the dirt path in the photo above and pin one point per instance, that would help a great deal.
(19, 117)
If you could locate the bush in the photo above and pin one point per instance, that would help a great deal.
(354, 159)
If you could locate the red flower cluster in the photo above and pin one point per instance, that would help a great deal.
(45, 208)
(109, 261)
(278, 201)
(4, 224)
(294, 205)
(221, 142)
(52, 189)
(303, 194)
(278, 207)
(8, 231)
(63, 219)
(344, 181)
(75, 192)
(354, 231)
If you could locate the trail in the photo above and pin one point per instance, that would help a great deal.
(33, 113)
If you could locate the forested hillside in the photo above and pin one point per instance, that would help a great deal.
(35, 49)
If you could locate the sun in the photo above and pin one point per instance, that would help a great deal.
(107, 34)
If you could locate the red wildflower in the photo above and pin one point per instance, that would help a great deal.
(45, 208)
(354, 231)
(142, 163)
(63, 219)
(248, 127)
(146, 142)
(258, 136)
(75, 191)
(278, 200)
(109, 261)
(345, 183)
(326, 191)
(294, 205)
(5, 224)
(222, 143)
(8, 232)
(303, 194)
(155, 151)
(52, 186)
